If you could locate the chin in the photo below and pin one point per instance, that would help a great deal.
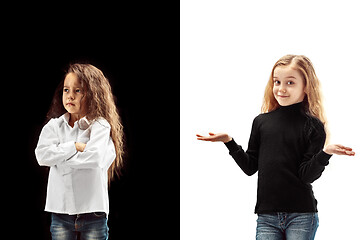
(287, 103)
(70, 111)
(283, 103)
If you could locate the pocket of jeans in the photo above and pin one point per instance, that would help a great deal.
(99, 214)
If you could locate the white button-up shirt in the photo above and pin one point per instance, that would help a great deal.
(78, 181)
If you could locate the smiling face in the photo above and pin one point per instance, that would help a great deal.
(289, 86)
(73, 97)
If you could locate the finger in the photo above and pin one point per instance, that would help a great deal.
(341, 152)
(211, 134)
(201, 136)
(344, 152)
(204, 138)
(350, 153)
(343, 147)
(339, 145)
(347, 152)
(340, 149)
(348, 148)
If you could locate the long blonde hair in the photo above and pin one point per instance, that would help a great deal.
(313, 101)
(100, 103)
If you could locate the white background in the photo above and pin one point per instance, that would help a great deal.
(227, 52)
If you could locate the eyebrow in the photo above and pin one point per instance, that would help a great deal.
(74, 87)
(287, 77)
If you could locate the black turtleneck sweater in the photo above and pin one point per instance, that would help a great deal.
(285, 147)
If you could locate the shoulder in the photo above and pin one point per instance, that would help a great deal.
(269, 114)
(101, 123)
(55, 122)
(259, 120)
(264, 116)
(314, 122)
(314, 128)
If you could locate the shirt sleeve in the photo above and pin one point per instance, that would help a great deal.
(314, 159)
(99, 151)
(49, 151)
(247, 161)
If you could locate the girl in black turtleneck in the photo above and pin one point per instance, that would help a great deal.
(286, 147)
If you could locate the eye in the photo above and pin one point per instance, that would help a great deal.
(276, 82)
(78, 90)
(290, 83)
(66, 90)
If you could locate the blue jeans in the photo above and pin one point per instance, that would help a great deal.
(81, 226)
(289, 226)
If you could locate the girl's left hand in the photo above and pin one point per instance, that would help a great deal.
(339, 150)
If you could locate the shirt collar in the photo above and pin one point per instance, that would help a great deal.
(83, 122)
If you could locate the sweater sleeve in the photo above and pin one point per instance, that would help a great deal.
(247, 161)
(314, 159)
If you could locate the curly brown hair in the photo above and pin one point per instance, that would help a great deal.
(100, 103)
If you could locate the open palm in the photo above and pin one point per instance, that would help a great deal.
(218, 137)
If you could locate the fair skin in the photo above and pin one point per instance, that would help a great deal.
(74, 102)
(289, 86)
(289, 89)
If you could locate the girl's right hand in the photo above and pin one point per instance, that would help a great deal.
(80, 147)
(218, 137)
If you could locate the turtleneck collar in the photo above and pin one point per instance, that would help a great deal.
(292, 108)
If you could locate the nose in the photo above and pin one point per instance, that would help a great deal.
(70, 95)
(282, 88)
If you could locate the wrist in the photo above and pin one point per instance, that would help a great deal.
(228, 139)
(326, 150)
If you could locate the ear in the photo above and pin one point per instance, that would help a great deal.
(306, 91)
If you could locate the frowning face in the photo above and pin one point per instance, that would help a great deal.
(73, 96)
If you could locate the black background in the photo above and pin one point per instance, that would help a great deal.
(137, 48)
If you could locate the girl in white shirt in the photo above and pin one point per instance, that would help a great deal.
(82, 143)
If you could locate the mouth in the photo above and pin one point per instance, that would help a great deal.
(70, 104)
(281, 96)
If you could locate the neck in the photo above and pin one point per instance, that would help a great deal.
(296, 107)
(74, 118)
(298, 104)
